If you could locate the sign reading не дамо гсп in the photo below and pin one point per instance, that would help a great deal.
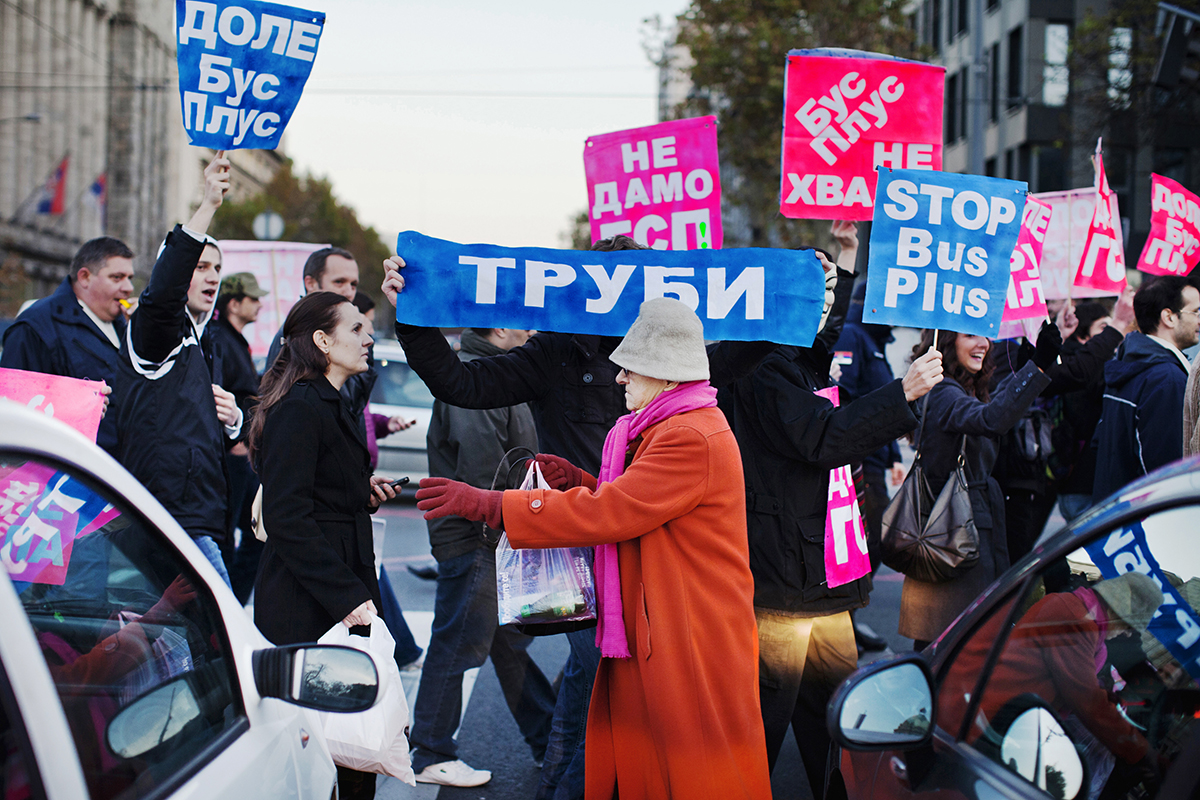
(940, 250)
(242, 67)
(747, 294)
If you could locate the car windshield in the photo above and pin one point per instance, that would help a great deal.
(398, 385)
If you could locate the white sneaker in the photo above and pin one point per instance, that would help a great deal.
(453, 773)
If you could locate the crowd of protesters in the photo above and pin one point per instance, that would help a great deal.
(700, 475)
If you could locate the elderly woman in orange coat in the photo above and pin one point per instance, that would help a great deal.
(674, 711)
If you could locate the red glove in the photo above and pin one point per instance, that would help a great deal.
(442, 497)
(559, 473)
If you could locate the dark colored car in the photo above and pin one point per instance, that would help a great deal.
(1017, 700)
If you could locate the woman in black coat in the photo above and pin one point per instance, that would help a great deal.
(960, 405)
(318, 566)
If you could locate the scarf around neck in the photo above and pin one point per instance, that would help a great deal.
(610, 623)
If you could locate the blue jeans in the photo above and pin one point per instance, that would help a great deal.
(407, 650)
(466, 631)
(212, 552)
(562, 772)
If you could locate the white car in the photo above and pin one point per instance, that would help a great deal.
(127, 666)
(398, 390)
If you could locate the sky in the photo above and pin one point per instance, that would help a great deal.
(466, 120)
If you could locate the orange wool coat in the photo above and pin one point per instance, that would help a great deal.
(681, 718)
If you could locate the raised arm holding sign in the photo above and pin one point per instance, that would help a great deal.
(940, 250)
(242, 67)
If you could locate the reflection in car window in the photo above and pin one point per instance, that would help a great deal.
(398, 385)
(19, 776)
(116, 612)
(1108, 640)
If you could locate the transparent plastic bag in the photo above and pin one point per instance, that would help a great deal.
(543, 586)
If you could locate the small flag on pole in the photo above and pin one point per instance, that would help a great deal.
(98, 196)
(54, 193)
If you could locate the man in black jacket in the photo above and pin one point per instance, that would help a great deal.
(790, 438)
(76, 332)
(570, 384)
(238, 304)
(174, 418)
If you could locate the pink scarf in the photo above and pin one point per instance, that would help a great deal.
(610, 625)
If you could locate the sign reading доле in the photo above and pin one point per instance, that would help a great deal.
(242, 67)
(941, 246)
(847, 112)
(660, 185)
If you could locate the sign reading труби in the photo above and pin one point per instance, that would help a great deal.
(748, 294)
(241, 69)
(940, 250)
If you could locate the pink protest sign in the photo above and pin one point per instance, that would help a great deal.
(78, 403)
(843, 116)
(1070, 219)
(279, 268)
(1103, 263)
(1173, 246)
(660, 185)
(43, 513)
(846, 557)
(1025, 299)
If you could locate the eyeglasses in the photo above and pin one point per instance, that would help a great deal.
(1193, 312)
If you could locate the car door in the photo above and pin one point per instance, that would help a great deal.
(120, 604)
(1113, 660)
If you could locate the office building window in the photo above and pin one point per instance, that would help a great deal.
(1016, 55)
(936, 22)
(952, 109)
(989, 168)
(1120, 75)
(963, 6)
(1056, 75)
(993, 5)
(1051, 169)
(994, 82)
(1170, 162)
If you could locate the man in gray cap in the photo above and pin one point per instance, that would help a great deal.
(238, 304)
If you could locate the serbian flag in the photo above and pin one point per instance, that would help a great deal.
(98, 195)
(1103, 263)
(54, 193)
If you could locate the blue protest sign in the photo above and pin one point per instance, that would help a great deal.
(745, 294)
(1175, 624)
(940, 250)
(241, 69)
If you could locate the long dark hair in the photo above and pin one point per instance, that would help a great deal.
(299, 359)
(974, 384)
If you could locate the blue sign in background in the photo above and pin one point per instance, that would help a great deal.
(747, 294)
(242, 67)
(940, 250)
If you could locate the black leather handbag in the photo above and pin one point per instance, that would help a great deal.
(931, 539)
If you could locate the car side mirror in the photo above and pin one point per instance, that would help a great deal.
(321, 677)
(887, 705)
(153, 719)
(1029, 739)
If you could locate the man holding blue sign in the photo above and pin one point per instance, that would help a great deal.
(241, 69)
(567, 378)
(940, 245)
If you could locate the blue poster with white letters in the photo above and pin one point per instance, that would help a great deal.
(242, 67)
(746, 294)
(940, 250)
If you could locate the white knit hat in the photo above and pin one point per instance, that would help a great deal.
(1134, 597)
(666, 341)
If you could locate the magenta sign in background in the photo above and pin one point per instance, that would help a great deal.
(846, 557)
(660, 185)
(76, 402)
(1026, 299)
(845, 115)
(1173, 246)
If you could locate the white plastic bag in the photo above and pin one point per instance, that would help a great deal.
(543, 586)
(375, 740)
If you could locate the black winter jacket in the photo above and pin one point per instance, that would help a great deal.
(238, 374)
(319, 563)
(790, 439)
(55, 336)
(170, 438)
(567, 379)
(1141, 423)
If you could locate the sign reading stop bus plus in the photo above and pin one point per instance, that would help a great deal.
(847, 112)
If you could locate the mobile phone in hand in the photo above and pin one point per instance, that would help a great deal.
(398, 483)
